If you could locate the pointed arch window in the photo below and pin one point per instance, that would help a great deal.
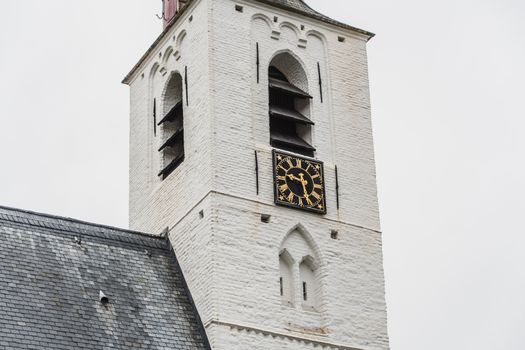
(289, 106)
(299, 280)
(172, 124)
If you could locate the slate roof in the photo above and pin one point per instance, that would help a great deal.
(50, 284)
(296, 6)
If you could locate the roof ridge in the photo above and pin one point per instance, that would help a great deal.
(81, 227)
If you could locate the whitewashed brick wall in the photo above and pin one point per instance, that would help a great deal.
(154, 204)
(229, 257)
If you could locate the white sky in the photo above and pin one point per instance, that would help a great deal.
(447, 82)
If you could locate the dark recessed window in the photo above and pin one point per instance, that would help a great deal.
(288, 126)
(172, 124)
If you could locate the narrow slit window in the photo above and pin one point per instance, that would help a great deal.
(305, 291)
(310, 284)
(286, 280)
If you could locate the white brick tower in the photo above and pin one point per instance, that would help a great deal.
(280, 250)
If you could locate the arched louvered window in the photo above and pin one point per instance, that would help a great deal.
(290, 126)
(172, 148)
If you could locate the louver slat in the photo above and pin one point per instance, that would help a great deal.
(172, 165)
(290, 140)
(172, 140)
(283, 113)
(175, 112)
(287, 88)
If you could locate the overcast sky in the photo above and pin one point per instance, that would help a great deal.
(447, 83)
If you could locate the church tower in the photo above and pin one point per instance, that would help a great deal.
(251, 148)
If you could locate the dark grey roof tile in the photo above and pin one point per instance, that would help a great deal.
(49, 288)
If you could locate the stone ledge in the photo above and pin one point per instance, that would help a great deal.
(315, 342)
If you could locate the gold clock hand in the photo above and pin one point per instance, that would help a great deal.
(292, 177)
(304, 183)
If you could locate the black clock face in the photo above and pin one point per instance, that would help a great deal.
(299, 182)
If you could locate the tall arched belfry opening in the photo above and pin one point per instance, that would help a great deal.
(251, 149)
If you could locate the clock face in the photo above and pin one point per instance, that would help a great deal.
(299, 182)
